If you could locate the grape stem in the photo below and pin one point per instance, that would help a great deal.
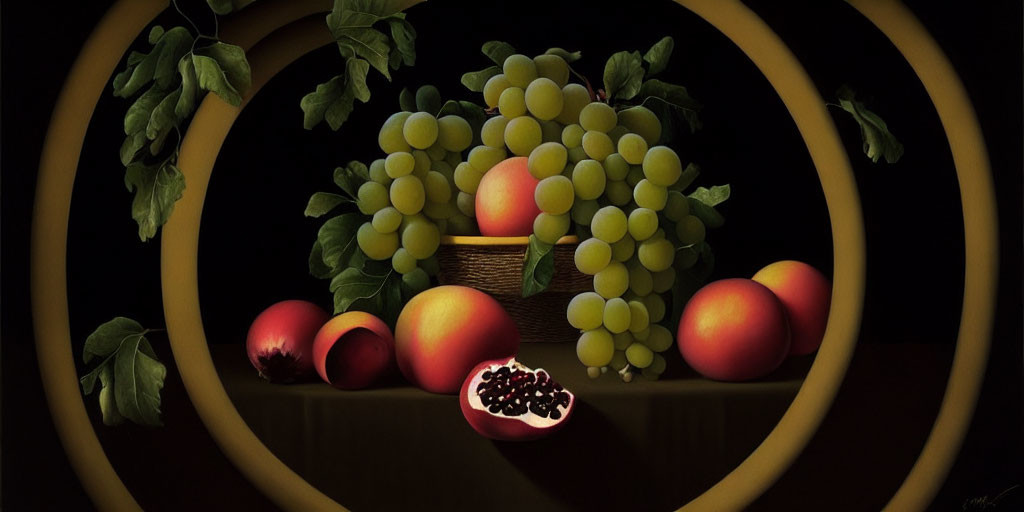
(626, 375)
(590, 89)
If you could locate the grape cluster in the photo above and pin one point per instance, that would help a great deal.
(604, 171)
(411, 193)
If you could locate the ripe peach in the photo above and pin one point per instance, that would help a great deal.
(504, 199)
(734, 329)
(806, 295)
(353, 350)
(442, 333)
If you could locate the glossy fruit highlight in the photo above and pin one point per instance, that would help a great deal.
(280, 340)
(504, 199)
(806, 294)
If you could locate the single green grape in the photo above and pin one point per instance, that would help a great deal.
(585, 311)
(437, 187)
(549, 228)
(642, 335)
(616, 167)
(676, 206)
(567, 171)
(467, 178)
(643, 122)
(438, 212)
(436, 152)
(597, 116)
(423, 163)
(390, 138)
(659, 234)
(520, 70)
(550, 131)
(593, 372)
(687, 257)
(420, 130)
(640, 280)
(618, 193)
(554, 194)
(583, 211)
(547, 159)
(442, 224)
(512, 103)
(466, 204)
(592, 256)
(639, 355)
(421, 239)
(402, 261)
(482, 158)
(640, 319)
(522, 134)
(399, 164)
(655, 306)
(662, 166)
(622, 340)
(572, 136)
(648, 195)
(616, 133)
(574, 98)
(376, 246)
(609, 224)
(387, 220)
(643, 222)
(595, 347)
(453, 159)
(635, 175)
(588, 179)
(618, 359)
(454, 133)
(612, 281)
(442, 167)
(616, 315)
(492, 133)
(597, 145)
(623, 249)
(664, 280)
(554, 68)
(372, 197)
(379, 173)
(632, 147)
(408, 195)
(417, 280)
(659, 339)
(430, 265)
(656, 254)
(577, 154)
(493, 88)
(544, 99)
(657, 366)
(690, 230)
(460, 224)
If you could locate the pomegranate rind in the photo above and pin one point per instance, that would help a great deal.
(361, 327)
(527, 427)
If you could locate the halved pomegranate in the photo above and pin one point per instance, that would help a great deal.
(503, 399)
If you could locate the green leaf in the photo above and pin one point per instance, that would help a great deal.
(138, 378)
(667, 99)
(351, 177)
(707, 214)
(714, 196)
(353, 284)
(392, 303)
(404, 36)
(475, 80)
(568, 56)
(428, 99)
(157, 188)
(189, 87)
(688, 281)
(335, 99)
(109, 336)
(406, 100)
(108, 404)
(657, 57)
(497, 51)
(337, 238)
(163, 119)
(131, 146)
(686, 179)
(157, 66)
(623, 74)
(139, 113)
(321, 203)
(878, 140)
(221, 68)
(317, 267)
(155, 34)
(220, 6)
(351, 22)
(538, 267)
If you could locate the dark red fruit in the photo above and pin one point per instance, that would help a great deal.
(280, 340)
(505, 400)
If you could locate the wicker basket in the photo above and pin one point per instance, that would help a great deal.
(495, 265)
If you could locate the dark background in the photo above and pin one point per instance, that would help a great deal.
(254, 240)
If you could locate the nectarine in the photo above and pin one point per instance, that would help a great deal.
(504, 199)
(806, 295)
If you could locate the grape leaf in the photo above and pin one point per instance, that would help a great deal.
(568, 56)
(155, 34)
(878, 140)
(353, 284)
(157, 187)
(106, 339)
(688, 281)
(538, 267)
(334, 100)
(157, 66)
(428, 99)
(221, 68)
(351, 24)
(497, 51)
(707, 214)
(108, 404)
(317, 267)
(686, 179)
(321, 203)
(130, 375)
(657, 57)
(475, 80)
(623, 74)
(668, 101)
(712, 197)
(351, 177)
(337, 238)
(404, 36)
(220, 6)
(406, 100)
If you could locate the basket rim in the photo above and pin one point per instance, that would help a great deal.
(500, 240)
